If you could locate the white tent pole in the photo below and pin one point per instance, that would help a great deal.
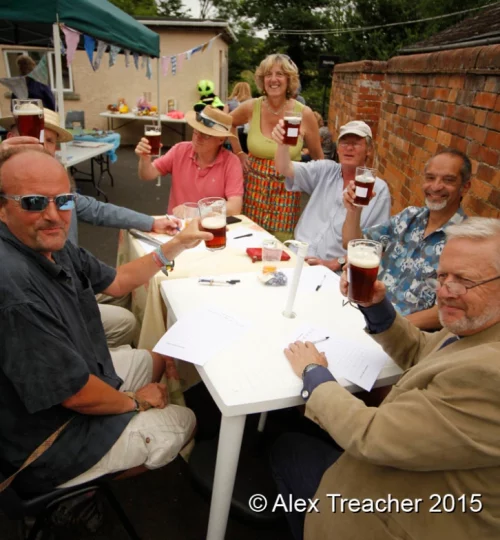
(158, 99)
(59, 82)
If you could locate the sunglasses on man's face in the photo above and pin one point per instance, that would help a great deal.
(38, 203)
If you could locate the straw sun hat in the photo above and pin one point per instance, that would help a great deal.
(211, 121)
(51, 121)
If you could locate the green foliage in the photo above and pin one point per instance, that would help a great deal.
(136, 7)
(172, 8)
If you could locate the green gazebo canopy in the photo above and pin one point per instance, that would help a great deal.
(29, 23)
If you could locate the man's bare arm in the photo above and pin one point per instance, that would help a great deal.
(234, 205)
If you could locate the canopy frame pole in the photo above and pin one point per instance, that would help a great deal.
(158, 101)
(59, 82)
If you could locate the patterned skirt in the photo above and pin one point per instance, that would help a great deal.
(266, 200)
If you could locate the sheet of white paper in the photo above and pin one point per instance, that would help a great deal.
(250, 241)
(201, 334)
(312, 277)
(358, 363)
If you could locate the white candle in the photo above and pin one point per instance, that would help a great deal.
(302, 248)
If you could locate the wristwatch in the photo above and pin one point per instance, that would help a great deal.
(341, 261)
(309, 368)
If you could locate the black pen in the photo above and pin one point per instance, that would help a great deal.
(321, 284)
(320, 340)
(242, 236)
(218, 281)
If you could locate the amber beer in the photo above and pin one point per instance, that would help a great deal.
(363, 263)
(292, 127)
(29, 119)
(153, 135)
(364, 189)
(217, 226)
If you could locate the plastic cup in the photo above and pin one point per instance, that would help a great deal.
(213, 220)
(191, 211)
(364, 180)
(363, 261)
(153, 135)
(271, 255)
(292, 121)
(28, 114)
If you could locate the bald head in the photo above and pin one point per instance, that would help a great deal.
(18, 164)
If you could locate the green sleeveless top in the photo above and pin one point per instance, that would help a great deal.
(262, 147)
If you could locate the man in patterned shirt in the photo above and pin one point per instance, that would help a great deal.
(414, 238)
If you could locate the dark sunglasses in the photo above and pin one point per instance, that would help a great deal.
(38, 203)
(211, 123)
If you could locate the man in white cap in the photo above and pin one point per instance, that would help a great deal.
(324, 181)
(200, 168)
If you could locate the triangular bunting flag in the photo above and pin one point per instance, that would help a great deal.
(149, 71)
(89, 44)
(210, 43)
(143, 61)
(101, 48)
(204, 47)
(17, 85)
(113, 52)
(41, 71)
(196, 49)
(173, 61)
(188, 54)
(127, 57)
(164, 65)
(72, 38)
(136, 60)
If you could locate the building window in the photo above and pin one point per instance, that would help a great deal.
(67, 76)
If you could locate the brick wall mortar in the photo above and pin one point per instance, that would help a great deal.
(419, 104)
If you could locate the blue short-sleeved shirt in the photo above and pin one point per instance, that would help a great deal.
(52, 340)
(410, 258)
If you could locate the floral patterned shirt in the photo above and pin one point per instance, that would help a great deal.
(410, 258)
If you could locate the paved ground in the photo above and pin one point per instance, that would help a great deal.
(165, 504)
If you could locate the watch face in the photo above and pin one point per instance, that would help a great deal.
(341, 260)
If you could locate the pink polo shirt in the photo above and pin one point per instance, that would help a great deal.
(223, 178)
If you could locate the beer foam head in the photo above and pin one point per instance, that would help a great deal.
(28, 109)
(292, 119)
(213, 222)
(363, 257)
(365, 179)
(152, 133)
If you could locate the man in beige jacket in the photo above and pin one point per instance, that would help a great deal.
(426, 463)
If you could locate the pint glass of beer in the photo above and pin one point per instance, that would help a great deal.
(292, 121)
(364, 182)
(28, 114)
(213, 220)
(153, 135)
(363, 259)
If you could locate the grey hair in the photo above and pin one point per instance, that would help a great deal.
(477, 228)
(465, 169)
(369, 142)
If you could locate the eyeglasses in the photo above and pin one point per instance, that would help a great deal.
(455, 288)
(211, 123)
(345, 144)
(38, 203)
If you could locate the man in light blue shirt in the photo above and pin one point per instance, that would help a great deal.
(325, 181)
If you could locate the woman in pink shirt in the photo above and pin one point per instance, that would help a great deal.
(200, 168)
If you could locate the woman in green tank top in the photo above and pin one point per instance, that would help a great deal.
(266, 201)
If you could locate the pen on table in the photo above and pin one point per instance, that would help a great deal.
(218, 281)
(145, 237)
(320, 340)
(170, 219)
(242, 236)
(321, 284)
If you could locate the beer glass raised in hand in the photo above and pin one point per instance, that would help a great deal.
(153, 135)
(213, 220)
(28, 114)
(292, 121)
(364, 182)
(363, 260)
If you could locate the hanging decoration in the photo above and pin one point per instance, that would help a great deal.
(101, 48)
(164, 65)
(126, 53)
(136, 60)
(149, 71)
(113, 53)
(89, 45)
(72, 38)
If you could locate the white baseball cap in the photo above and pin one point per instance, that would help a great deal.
(356, 127)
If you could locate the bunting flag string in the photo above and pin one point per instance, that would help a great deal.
(41, 71)
(72, 37)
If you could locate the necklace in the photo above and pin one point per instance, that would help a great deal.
(279, 111)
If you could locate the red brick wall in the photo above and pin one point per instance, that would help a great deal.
(428, 102)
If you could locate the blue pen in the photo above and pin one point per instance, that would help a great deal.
(170, 218)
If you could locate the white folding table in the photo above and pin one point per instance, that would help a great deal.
(252, 375)
(79, 152)
(176, 125)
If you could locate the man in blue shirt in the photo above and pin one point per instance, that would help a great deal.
(325, 180)
(413, 239)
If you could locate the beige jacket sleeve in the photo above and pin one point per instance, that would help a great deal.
(444, 414)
